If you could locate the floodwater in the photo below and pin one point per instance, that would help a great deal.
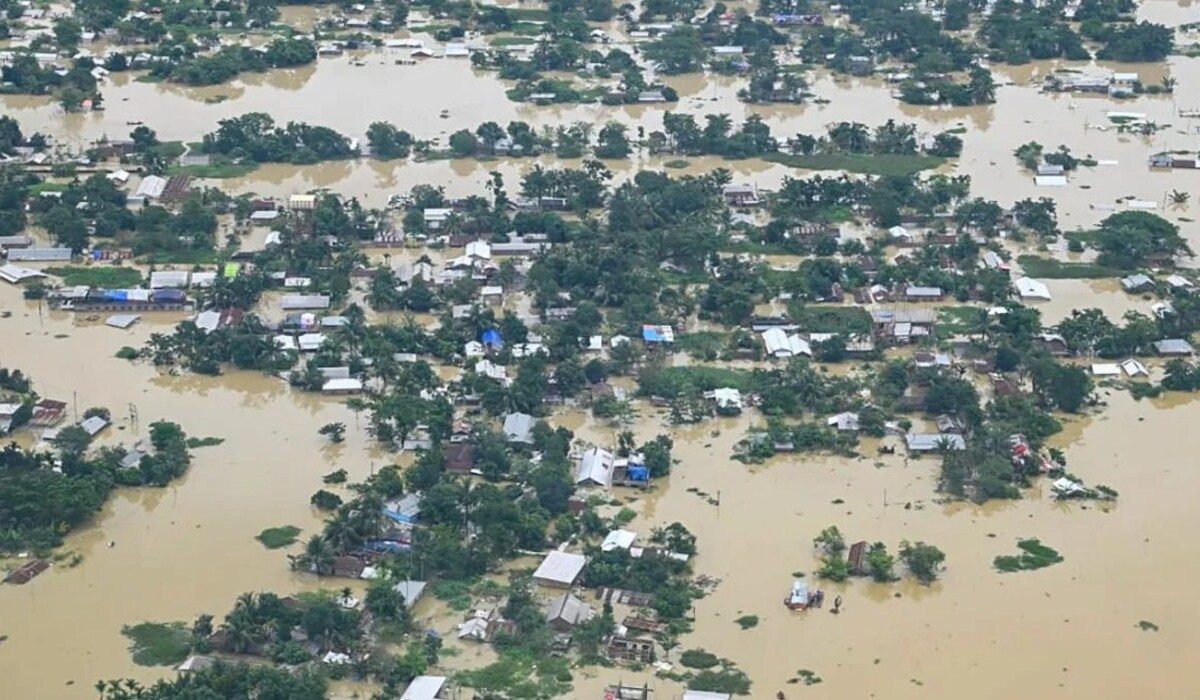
(179, 551)
(1068, 631)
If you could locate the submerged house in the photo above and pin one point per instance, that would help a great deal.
(931, 442)
(405, 509)
(903, 325)
(518, 427)
(1173, 347)
(778, 343)
(595, 468)
(566, 611)
(560, 569)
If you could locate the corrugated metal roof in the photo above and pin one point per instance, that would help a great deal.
(424, 688)
(39, 255)
(152, 186)
(595, 467)
(518, 427)
(560, 567)
(292, 302)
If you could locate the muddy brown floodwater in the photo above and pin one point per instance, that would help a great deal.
(1068, 631)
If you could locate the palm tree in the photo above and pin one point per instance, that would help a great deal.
(317, 556)
(340, 533)
(850, 137)
(239, 630)
(1180, 197)
(247, 603)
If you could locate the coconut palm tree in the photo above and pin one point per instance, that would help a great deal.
(317, 556)
(239, 631)
(1180, 197)
(247, 603)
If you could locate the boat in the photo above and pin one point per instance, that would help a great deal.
(798, 600)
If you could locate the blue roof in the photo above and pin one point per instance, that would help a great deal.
(651, 334)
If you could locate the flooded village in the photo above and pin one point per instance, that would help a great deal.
(657, 351)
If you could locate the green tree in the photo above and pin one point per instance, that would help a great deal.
(680, 50)
(831, 541)
(336, 432)
(923, 560)
(463, 144)
(880, 563)
(1132, 239)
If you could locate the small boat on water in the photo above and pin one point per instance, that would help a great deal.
(798, 599)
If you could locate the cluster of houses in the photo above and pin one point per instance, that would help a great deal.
(1115, 84)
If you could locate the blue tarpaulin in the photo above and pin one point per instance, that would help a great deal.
(491, 337)
(639, 473)
(650, 334)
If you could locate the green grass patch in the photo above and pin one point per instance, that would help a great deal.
(278, 537)
(180, 257)
(883, 164)
(195, 442)
(699, 658)
(676, 164)
(671, 382)
(726, 679)
(105, 277)
(747, 621)
(670, 277)
(47, 187)
(457, 594)
(214, 170)
(519, 674)
(158, 643)
(513, 41)
(703, 344)
(526, 29)
(523, 14)
(1049, 268)
(831, 319)
(953, 320)
(1034, 555)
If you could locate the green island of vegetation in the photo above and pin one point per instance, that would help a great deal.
(1034, 555)
(278, 537)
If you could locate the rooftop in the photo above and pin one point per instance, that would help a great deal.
(424, 688)
(561, 568)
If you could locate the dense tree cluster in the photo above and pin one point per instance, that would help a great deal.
(1132, 239)
(228, 62)
(224, 680)
(256, 138)
(77, 86)
(38, 506)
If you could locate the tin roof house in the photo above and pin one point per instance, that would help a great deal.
(595, 468)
